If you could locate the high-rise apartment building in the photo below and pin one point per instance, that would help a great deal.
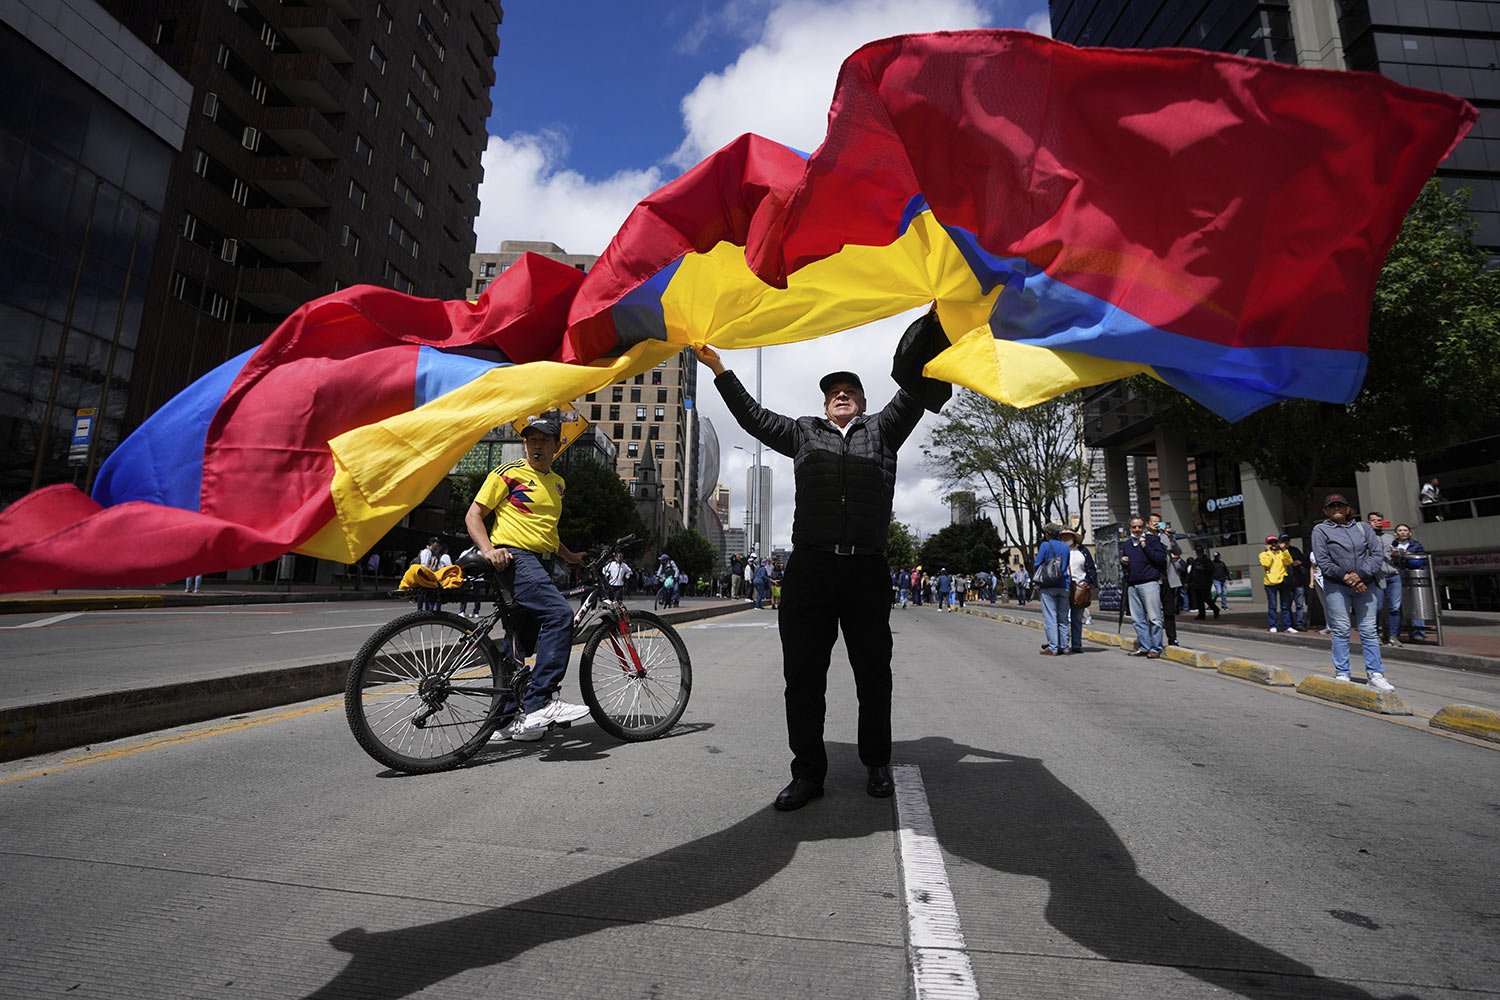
(331, 143)
(649, 412)
(89, 127)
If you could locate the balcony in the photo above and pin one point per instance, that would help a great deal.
(285, 235)
(275, 289)
(302, 131)
(343, 8)
(310, 79)
(292, 180)
(318, 29)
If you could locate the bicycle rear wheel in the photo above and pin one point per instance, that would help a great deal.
(636, 682)
(420, 692)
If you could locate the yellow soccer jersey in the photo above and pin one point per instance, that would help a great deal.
(527, 504)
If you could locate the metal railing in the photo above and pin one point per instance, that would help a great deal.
(1461, 510)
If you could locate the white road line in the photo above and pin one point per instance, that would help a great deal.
(939, 957)
(734, 625)
(328, 628)
(46, 621)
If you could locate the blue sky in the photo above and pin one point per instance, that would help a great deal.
(598, 103)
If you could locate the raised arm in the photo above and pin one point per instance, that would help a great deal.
(777, 432)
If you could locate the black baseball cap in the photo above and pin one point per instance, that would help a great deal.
(544, 425)
(1334, 498)
(834, 378)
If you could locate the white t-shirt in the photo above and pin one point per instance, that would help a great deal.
(1076, 567)
(616, 573)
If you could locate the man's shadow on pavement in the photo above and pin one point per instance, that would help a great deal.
(1005, 812)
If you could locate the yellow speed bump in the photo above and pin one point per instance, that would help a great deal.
(1105, 638)
(1260, 673)
(1353, 695)
(1470, 720)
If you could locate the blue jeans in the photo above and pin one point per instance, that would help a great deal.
(1055, 616)
(1299, 607)
(1278, 594)
(1342, 605)
(553, 628)
(1221, 591)
(1145, 615)
(1075, 622)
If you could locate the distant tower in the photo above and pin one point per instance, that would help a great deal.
(758, 529)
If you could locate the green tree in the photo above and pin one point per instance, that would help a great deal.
(465, 486)
(1028, 465)
(597, 509)
(1432, 378)
(900, 547)
(962, 548)
(693, 554)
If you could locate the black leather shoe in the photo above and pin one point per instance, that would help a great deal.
(880, 785)
(798, 794)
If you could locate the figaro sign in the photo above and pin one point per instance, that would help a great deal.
(1224, 502)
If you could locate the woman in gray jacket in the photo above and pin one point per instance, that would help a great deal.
(1351, 560)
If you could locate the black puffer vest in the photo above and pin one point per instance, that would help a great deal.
(845, 483)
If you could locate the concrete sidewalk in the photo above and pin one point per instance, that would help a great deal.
(75, 718)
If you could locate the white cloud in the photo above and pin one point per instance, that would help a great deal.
(1040, 23)
(780, 87)
(527, 194)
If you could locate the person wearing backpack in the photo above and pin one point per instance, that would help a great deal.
(1050, 574)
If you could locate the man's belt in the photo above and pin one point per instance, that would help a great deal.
(843, 550)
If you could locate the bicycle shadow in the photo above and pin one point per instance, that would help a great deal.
(1006, 812)
(581, 743)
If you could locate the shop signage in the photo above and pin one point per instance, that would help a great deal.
(1225, 502)
(1467, 562)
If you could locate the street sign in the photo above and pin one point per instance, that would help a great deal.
(83, 433)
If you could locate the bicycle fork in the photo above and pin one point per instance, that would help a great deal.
(622, 642)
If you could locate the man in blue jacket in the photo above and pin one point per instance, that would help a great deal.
(1143, 562)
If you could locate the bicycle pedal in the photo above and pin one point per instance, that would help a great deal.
(563, 725)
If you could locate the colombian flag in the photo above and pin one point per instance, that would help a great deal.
(1077, 214)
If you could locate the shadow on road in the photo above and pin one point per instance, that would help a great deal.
(1006, 812)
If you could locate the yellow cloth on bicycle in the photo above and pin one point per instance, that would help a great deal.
(450, 577)
(527, 505)
(419, 576)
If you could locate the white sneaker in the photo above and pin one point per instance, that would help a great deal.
(556, 711)
(1378, 682)
(1291, 631)
(517, 731)
(1271, 630)
(1341, 678)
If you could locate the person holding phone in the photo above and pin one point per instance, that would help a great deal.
(1276, 566)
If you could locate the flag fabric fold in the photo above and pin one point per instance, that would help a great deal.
(1076, 214)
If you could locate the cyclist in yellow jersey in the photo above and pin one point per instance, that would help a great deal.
(526, 498)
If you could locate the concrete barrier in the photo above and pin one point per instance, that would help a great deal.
(1470, 720)
(1260, 673)
(72, 722)
(1192, 657)
(1354, 695)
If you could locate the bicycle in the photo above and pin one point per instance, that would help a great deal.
(428, 689)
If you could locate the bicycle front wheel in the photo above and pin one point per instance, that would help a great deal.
(420, 691)
(635, 681)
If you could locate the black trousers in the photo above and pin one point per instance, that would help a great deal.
(822, 593)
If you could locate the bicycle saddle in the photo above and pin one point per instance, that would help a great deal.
(478, 569)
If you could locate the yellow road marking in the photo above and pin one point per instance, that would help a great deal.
(176, 739)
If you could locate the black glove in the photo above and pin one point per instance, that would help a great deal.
(923, 341)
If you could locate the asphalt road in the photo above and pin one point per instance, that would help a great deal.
(1111, 828)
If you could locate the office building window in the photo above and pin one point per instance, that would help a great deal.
(594, 415)
(357, 194)
(654, 433)
(619, 431)
(372, 103)
(632, 450)
(363, 150)
(656, 376)
(616, 394)
(640, 413)
(661, 395)
(635, 431)
(661, 413)
(378, 58)
(635, 394)
(383, 17)
(614, 413)
(350, 239)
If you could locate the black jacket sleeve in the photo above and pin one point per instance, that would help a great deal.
(899, 418)
(773, 430)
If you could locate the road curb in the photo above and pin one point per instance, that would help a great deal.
(1353, 695)
(1259, 673)
(1470, 720)
(65, 723)
(1192, 657)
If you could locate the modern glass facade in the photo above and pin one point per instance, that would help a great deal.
(1259, 28)
(82, 187)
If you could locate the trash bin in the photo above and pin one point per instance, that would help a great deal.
(1419, 595)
